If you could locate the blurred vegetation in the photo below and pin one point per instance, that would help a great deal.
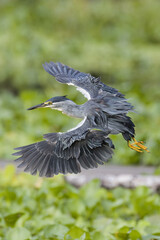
(33, 208)
(117, 40)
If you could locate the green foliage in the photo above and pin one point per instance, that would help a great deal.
(43, 209)
(118, 40)
(11, 219)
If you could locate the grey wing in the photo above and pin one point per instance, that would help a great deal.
(88, 85)
(68, 75)
(65, 152)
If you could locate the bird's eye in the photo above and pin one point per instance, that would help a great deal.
(48, 103)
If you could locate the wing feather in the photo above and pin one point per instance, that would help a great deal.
(50, 158)
(88, 85)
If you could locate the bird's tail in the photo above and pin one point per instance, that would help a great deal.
(130, 131)
(121, 124)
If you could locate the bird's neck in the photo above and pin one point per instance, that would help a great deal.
(70, 108)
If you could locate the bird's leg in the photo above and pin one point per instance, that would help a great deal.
(131, 145)
(139, 146)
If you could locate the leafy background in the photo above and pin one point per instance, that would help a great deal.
(117, 40)
(45, 209)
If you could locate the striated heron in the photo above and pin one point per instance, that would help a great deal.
(88, 144)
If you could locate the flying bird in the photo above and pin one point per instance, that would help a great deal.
(88, 144)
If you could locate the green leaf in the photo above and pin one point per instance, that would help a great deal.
(135, 235)
(76, 206)
(91, 193)
(123, 233)
(11, 219)
(99, 236)
(77, 233)
(55, 231)
(18, 234)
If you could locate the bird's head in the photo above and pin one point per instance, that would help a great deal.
(54, 103)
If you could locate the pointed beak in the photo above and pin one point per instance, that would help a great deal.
(41, 105)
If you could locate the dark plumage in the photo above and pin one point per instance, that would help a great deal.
(88, 144)
(53, 156)
(58, 99)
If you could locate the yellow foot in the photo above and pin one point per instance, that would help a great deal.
(139, 146)
(131, 145)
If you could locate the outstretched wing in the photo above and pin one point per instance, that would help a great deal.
(85, 83)
(66, 152)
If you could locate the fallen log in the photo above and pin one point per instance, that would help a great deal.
(118, 176)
